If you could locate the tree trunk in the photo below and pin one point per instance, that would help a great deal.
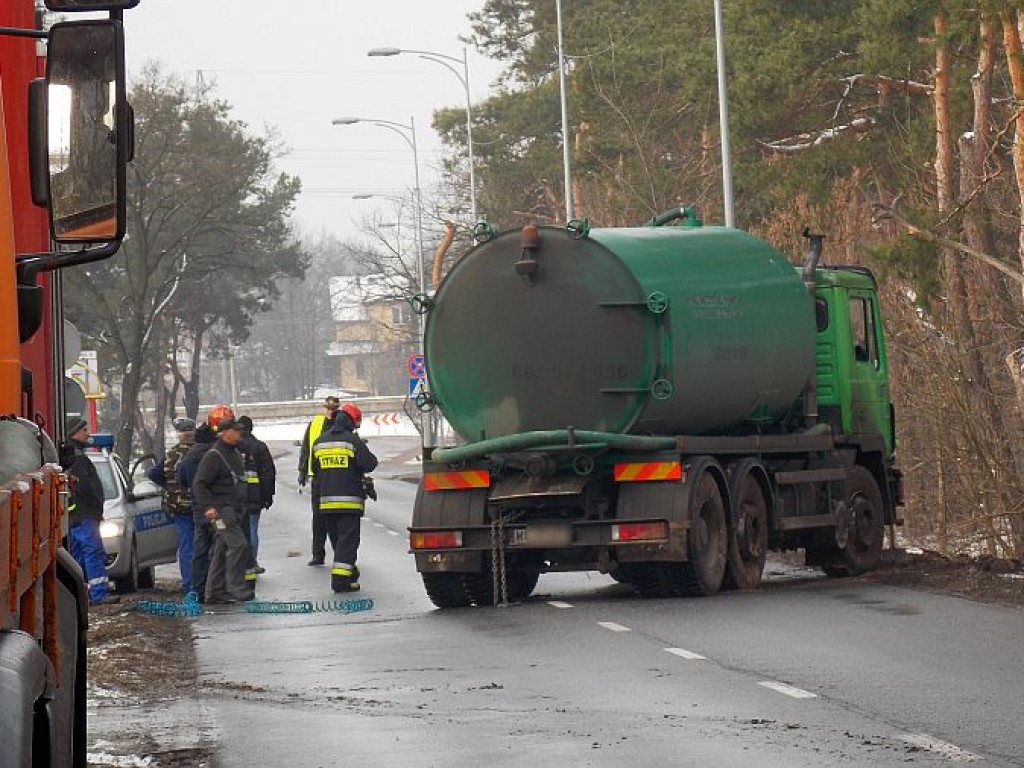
(944, 143)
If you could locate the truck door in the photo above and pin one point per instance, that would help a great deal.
(870, 410)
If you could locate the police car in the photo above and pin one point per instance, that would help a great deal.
(137, 533)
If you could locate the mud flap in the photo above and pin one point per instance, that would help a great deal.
(663, 500)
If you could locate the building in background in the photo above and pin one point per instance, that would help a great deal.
(375, 333)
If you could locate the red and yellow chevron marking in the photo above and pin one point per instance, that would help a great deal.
(456, 481)
(648, 470)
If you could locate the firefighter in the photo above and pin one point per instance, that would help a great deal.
(341, 461)
(85, 511)
(219, 490)
(320, 423)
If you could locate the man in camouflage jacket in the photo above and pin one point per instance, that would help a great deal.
(178, 498)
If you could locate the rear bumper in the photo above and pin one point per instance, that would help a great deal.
(590, 545)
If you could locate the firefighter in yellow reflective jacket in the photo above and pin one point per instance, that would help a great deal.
(341, 461)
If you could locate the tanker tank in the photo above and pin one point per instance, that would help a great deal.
(658, 330)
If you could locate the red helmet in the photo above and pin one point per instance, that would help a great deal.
(218, 415)
(353, 413)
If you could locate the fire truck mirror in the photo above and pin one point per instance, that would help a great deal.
(88, 131)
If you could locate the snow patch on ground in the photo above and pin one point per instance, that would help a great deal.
(121, 761)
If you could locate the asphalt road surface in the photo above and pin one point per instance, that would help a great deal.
(807, 671)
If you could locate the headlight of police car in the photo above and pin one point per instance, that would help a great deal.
(109, 529)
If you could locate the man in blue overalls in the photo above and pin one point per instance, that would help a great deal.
(85, 510)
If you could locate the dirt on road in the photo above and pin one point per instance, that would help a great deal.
(146, 700)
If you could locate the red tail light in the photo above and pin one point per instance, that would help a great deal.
(435, 540)
(654, 531)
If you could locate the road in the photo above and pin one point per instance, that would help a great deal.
(807, 671)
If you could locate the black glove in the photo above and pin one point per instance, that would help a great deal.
(369, 491)
(302, 479)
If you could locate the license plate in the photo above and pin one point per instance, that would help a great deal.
(550, 535)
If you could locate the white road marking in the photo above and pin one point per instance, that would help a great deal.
(682, 653)
(378, 525)
(788, 690)
(940, 747)
(559, 604)
(613, 626)
(393, 533)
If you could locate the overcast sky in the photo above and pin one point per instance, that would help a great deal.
(296, 65)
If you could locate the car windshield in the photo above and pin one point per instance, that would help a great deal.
(106, 473)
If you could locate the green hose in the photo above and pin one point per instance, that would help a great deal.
(548, 438)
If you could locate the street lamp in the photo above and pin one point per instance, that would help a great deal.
(443, 60)
(723, 118)
(565, 116)
(408, 134)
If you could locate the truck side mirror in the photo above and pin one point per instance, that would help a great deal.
(82, 146)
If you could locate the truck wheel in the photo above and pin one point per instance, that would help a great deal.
(707, 542)
(520, 582)
(863, 548)
(130, 581)
(748, 534)
(445, 590)
(479, 587)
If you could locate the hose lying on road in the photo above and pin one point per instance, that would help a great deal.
(308, 606)
(192, 607)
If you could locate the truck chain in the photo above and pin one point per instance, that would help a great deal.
(499, 578)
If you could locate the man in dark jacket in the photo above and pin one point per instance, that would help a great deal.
(260, 482)
(202, 541)
(340, 461)
(219, 490)
(320, 424)
(85, 510)
(178, 498)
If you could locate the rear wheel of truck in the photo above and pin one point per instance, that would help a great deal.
(865, 530)
(445, 590)
(520, 581)
(707, 538)
(748, 528)
(479, 587)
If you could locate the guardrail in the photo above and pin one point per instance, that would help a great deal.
(307, 409)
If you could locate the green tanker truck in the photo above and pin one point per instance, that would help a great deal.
(662, 403)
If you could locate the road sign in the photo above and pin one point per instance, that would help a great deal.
(415, 387)
(417, 366)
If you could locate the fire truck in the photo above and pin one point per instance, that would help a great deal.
(65, 138)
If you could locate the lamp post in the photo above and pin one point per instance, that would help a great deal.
(565, 116)
(444, 61)
(723, 119)
(408, 134)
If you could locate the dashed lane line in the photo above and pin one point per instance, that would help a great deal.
(393, 533)
(938, 746)
(788, 690)
(560, 604)
(684, 654)
(612, 626)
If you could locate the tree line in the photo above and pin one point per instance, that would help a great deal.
(893, 126)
